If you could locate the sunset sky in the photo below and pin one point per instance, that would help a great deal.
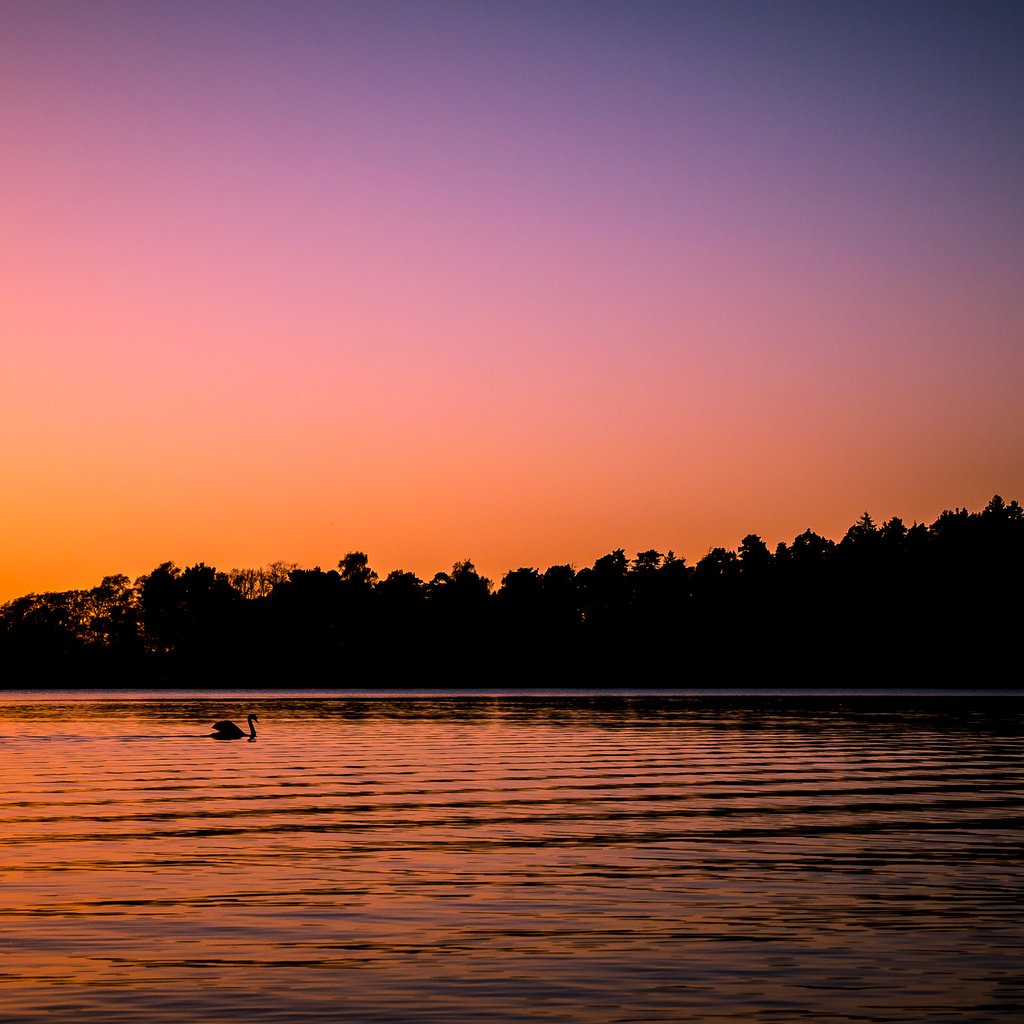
(517, 282)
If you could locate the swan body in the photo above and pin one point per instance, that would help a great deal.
(229, 731)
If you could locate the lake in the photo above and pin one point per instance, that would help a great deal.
(512, 856)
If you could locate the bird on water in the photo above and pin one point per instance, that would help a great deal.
(230, 731)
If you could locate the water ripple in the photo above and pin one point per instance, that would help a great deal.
(512, 859)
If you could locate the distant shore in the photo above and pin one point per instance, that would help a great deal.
(887, 605)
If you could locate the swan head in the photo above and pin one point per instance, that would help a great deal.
(254, 718)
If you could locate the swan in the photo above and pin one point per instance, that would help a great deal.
(230, 731)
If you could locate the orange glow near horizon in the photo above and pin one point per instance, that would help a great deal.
(284, 289)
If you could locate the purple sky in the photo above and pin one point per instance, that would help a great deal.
(510, 281)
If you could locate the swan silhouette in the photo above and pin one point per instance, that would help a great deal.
(230, 731)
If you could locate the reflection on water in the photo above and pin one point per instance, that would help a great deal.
(512, 858)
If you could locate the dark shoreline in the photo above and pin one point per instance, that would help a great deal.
(888, 604)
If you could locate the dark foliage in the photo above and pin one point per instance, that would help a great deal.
(886, 605)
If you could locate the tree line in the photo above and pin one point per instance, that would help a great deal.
(887, 604)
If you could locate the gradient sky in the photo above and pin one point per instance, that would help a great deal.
(517, 282)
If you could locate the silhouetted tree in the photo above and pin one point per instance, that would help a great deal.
(716, 574)
(462, 592)
(113, 617)
(399, 619)
(562, 597)
(458, 608)
(754, 557)
(161, 598)
(355, 570)
(888, 603)
(305, 625)
(254, 584)
(605, 589)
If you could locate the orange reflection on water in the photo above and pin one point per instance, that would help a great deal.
(443, 859)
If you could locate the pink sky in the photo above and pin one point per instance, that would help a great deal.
(435, 282)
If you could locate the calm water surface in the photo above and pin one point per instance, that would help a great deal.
(511, 858)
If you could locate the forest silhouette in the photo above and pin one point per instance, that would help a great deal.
(886, 605)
